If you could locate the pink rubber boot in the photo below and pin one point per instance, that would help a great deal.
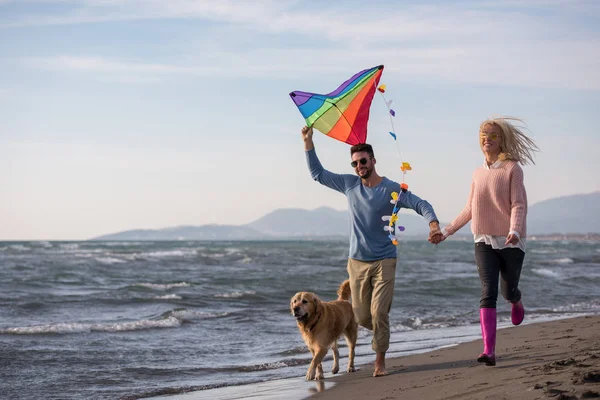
(517, 313)
(487, 319)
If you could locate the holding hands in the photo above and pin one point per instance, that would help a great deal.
(435, 234)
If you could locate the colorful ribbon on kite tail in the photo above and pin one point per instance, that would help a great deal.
(405, 166)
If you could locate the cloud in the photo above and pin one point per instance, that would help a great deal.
(547, 64)
(484, 42)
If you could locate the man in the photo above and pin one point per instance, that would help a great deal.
(372, 256)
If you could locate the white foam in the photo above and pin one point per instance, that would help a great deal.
(186, 315)
(562, 261)
(272, 365)
(400, 328)
(165, 286)
(577, 307)
(544, 251)
(546, 272)
(109, 260)
(170, 253)
(170, 322)
(114, 244)
(234, 295)
(18, 247)
(69, 246)
(168, 297)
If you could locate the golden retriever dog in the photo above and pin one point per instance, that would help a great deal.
(321, 323)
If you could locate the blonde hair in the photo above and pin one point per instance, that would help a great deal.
(514, 144)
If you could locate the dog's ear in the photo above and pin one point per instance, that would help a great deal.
(292, 303)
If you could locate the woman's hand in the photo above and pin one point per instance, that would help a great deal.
(512, 239)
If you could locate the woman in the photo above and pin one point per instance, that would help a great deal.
(497, 207)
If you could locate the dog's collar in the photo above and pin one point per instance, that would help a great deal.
(313, 325)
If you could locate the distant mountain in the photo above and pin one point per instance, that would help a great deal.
(203, 232)
(576, 214)
(323, 221)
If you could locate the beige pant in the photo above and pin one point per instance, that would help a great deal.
(372, 285)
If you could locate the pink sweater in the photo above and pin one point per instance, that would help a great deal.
(497, 203)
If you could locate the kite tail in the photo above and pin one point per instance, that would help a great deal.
(393, 133)
(405, 166)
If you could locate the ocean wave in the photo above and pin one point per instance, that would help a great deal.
(235, 295)
(287, 362)
(292, 352)
(579, 307)
(291, 362)
(109, 260)
(546, 272)
(187, 315)
(168, 297)
(19, 247)
(565, 260)
(163, 286)
(400, 328)
(125, 244)
(63, 328)
(69, 246)
(166, 253)
(544, 251)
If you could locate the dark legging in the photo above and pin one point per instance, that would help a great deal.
(490, 264)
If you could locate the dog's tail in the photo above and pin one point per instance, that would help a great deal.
(344, 291)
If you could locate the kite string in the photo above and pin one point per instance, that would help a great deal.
(393, 226)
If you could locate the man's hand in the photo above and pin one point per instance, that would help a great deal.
(307, 136)
(435, 234)
(307, 133)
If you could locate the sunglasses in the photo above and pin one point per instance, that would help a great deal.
(490, 135)
(363, 161)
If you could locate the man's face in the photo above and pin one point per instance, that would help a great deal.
(363, 164)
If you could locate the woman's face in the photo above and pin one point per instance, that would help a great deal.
(490, 138)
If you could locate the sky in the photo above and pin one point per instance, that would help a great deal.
(146, 114)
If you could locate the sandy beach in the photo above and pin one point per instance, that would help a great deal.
(559, 359)
(555, 360)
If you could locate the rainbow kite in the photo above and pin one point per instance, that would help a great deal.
(342, 114)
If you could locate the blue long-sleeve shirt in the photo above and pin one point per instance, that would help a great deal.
(368, 240)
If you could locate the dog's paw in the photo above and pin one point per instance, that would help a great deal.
(310, 374)
(335, 369)
(320, 376)
(351, 369)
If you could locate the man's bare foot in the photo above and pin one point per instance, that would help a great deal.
(380, 365)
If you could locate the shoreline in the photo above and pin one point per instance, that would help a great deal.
(537, 360)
